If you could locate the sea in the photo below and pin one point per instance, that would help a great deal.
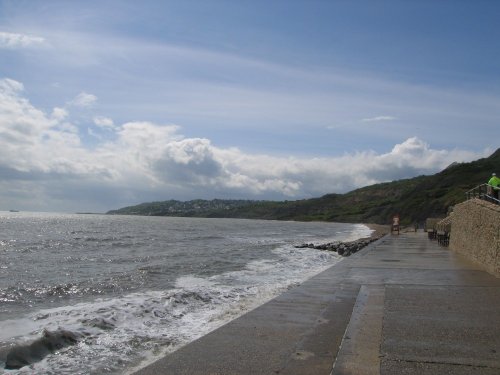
(132, 289)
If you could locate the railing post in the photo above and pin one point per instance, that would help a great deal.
(481, 192)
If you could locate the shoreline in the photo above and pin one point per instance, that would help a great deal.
(357, 316)
(378, 230)
(278, 326)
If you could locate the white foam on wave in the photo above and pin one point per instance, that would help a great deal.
(139, 328)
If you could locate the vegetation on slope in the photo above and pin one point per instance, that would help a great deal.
(414, 199)
(197, 207)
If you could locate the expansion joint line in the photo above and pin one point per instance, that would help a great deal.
(443, 363)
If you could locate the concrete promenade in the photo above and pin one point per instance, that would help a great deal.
(403, 305)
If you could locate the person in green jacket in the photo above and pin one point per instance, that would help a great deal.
(494, 182)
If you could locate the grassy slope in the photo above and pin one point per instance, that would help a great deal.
(413, 199)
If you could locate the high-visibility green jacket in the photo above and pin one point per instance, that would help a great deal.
(495, 182)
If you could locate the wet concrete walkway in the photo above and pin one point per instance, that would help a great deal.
(403, 305)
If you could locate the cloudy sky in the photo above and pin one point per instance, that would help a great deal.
(111, 103)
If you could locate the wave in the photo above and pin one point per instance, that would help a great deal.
(149, 301)
(34, 293)
(118, 333)
(50, 342)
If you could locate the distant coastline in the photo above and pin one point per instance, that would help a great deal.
(414, 199)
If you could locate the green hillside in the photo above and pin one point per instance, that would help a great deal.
(413, 199)
(197, 207)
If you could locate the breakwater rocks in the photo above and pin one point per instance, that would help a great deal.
(342, 248)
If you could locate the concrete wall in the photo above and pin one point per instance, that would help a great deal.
(475, 233)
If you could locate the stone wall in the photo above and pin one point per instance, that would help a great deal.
(475, 233)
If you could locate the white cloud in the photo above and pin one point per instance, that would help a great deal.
(33, 142)
(104, 122)
(379, 118)
(147, 161)
(10, 87)
(59, 114)
(206, 88)
(84, 100)
(14, 40)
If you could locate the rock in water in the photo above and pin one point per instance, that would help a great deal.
(23, 355)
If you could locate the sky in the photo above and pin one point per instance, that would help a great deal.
(105, 104)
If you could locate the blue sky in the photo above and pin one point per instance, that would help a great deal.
(111, 103)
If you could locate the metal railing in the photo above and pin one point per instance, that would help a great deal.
(484, 192)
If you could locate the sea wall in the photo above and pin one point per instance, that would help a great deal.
(475, 233)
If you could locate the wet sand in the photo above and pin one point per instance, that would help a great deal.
(378, 230)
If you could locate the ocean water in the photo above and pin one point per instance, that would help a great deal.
(132, 289)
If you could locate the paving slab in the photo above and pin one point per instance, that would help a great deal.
(446, 325)
(403, 305)
(360, 350)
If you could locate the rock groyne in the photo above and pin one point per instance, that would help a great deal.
(342, 248)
